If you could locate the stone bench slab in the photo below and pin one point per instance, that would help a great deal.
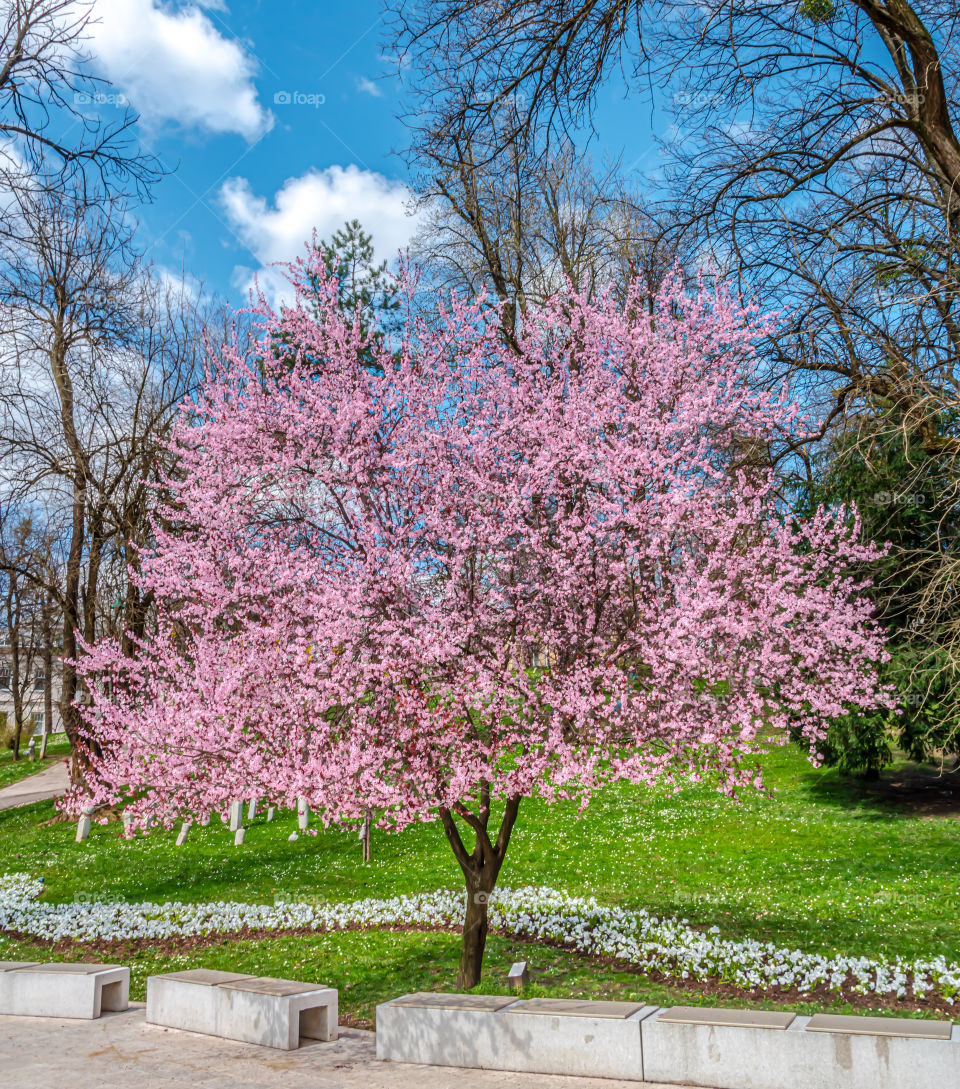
(86, 991)
(880, 1026)
(482, 1003)
(719, 1050)
(204, 977)
(574, 1007)
(703, 1015)
(253, 1009)
(545, 1036)
(277, 987)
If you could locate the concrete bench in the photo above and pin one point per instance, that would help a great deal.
(254, 1009)
(28, 989)
(720, 1048)
(757, 1049)
(541, 1035)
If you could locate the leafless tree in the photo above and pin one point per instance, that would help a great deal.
(95, 355)
(51, 124)
(817, 154)
(522, 222)
(20, 609)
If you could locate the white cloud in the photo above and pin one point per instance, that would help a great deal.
(177, 283)
(321, 200)
(395, 60)
(369, 87)
(174, 65)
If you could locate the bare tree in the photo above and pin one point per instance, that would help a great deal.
(20, 610)
(818, 157)
(49, 103)
(95, 355)
(522, 222)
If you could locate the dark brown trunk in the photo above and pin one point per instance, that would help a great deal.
(94, 559)
(48, 675)
(72, 609)
(475, 927)
(71, 622)
(16, 683)
(481, 868)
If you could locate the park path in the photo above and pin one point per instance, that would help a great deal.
(120, 1050)
(36, 788)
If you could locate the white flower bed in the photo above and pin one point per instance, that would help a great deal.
(638, 938)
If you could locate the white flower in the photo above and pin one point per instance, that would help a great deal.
(647, 942)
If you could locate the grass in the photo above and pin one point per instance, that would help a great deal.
(12, 771)
(818, 864)
(371, 966)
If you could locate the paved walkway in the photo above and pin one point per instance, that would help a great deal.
(120, 1050)
(50, 782)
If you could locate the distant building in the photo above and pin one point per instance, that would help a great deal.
(34, 696)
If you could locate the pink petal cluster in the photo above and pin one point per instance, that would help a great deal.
(380, 588)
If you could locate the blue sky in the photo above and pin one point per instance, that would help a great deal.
(275, 119)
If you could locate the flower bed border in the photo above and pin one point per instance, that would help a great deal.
(662, 947)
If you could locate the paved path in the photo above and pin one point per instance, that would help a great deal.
(120, 1050)
(53, 780)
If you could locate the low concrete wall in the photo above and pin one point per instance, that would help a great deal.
(270, 1012)
(722, 1049)
(738, 1057)
(598, 1039)
(62, 990)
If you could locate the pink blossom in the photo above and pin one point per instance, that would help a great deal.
(381, 591)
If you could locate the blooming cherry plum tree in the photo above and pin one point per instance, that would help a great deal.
(469, 575)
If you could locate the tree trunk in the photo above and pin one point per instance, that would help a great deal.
(48, 674)
(71, 622)
(72, 611)
(481, 868)
(475, 927)
(16, 683)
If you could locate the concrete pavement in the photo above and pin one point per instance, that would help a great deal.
(50, 782)
(120, 1051)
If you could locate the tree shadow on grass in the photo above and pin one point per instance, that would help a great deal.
(905, 790)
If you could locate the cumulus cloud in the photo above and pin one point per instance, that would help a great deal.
(175, 66)
(321, 200)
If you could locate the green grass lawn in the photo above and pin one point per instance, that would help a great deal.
(819, 865)
(12, 771)
(370, 967)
